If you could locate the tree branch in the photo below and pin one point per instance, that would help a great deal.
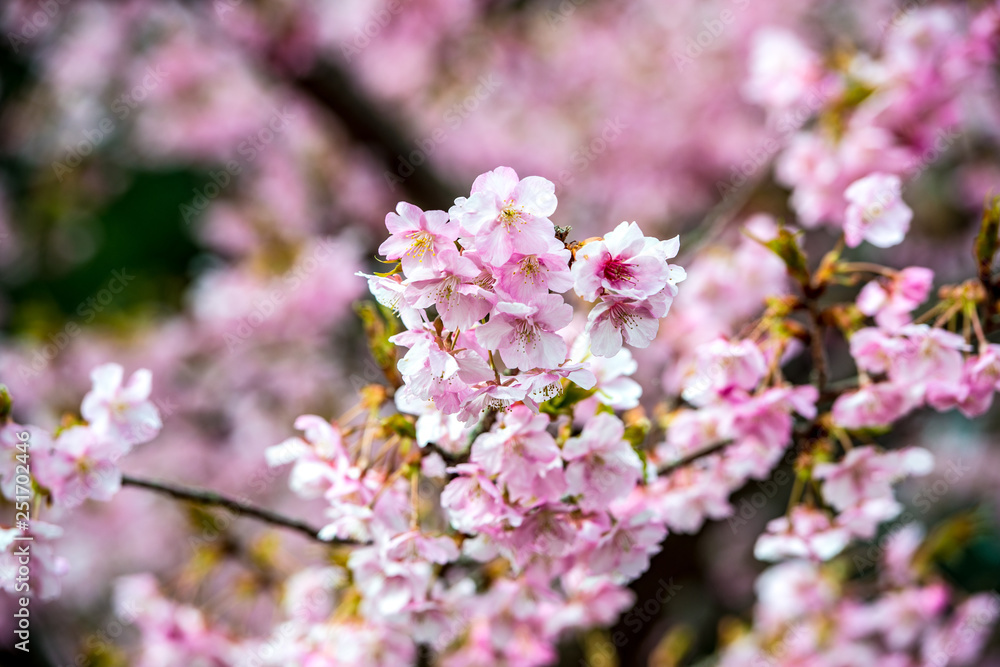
(691, 457)
(816, 342)
(332, 88)
(211, 498)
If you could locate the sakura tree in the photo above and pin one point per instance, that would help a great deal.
(580, 415)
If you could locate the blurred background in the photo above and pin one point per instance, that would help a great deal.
(191, 186)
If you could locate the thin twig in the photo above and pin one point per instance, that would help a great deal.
(717, 220)
(868, 267)
(816, 342)
(205, 497)
(692, 457)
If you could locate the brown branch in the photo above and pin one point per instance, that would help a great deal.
(816, 330)
(211, 498)
(368, 123)
(333, 88)
(717, 220)
(691, 457)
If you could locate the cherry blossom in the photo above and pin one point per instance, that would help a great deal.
(416, 236)
(123, 411)
(505, 214)
(525, 334)
(876, 212)
(602, 466)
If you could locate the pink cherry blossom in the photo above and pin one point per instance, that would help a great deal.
(395, 294)
(525, 276)
(876, 350)
(862, 520)
(475, 503)
(931, 357)
(876, 212)
(892, 303)
(123, 412)
(866, 474)
(453, 290)
(83, 465)
(721, 365)
(974, 394)
(543, 384)
(321, 462)
(806, 533)
(783, 70)
(492, 396)
(602, 465)
(505, 215)
(522, 455)
(636, 322)
(624, 551)
(615, 387)
(624, 263)
(419, 239)
(685, 499)
(389, 585)
(525, 334)
(870, 406)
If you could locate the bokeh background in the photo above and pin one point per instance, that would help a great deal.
(190, 186)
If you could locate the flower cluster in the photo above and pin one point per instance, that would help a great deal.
(494, 270)
(519, 465)
(512, 407)
(805, 609)
(78, 462)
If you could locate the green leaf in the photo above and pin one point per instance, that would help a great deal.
(635, 434)
(564, 402)
(379, 326)
(395, 269)
(401, 425)
(987, 240)
(6, 404)
(786, 246)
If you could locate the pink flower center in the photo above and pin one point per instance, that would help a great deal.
(617, 272)
(621, 317)
(529, 268)
(525, 333)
